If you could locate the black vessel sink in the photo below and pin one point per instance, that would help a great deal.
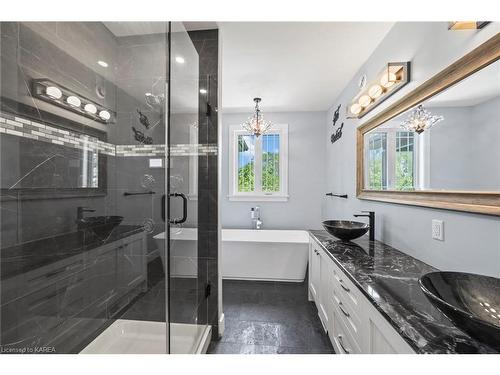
(344, 229)
(470, 301)
(101, 226)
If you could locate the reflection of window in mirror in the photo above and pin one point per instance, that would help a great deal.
(392, 158)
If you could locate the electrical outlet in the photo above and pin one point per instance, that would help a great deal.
(437, 230)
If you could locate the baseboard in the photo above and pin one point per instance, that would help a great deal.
(262, 279)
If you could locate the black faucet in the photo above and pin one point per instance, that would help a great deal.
(371, 216)
(80, 211)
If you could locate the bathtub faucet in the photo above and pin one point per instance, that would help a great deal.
(255, 215)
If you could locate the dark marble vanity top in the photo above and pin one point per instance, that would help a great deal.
(26, 257)
(389, 280)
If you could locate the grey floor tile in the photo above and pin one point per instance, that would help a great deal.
(270, 318)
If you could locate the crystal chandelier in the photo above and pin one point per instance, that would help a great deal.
(256, 123)
(420, 119)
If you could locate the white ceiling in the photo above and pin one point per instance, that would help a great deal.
(120, 29)
(292, 66)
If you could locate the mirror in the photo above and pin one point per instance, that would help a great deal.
(46, 165)
(460, 152)
(438, 145)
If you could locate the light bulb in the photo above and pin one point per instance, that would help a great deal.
(74, 101)
(364, 101)
(104, 64)
(388, 80)
(375, 91)
(203, 91)
(356, 109)
(53, 92)
(105, 115)
(180, 59)
(90, 108)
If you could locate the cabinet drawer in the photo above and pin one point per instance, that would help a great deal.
(39, 279)
(350, 317)
(341, 338)
(350, 294)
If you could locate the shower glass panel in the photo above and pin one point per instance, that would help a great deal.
(186, 293)
(83, 171)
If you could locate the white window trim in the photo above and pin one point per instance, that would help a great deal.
(258, 196)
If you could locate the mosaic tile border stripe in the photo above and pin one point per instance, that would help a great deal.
(20, 127)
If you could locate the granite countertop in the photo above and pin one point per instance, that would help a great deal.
(26, 257)
(389, 280)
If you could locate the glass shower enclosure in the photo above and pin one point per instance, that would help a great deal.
(99, 125)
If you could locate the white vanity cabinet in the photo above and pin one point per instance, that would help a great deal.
(354, 325)
(320, 280)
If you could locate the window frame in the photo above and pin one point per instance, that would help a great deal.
(258, 195)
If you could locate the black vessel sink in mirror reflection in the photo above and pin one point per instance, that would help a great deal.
(101, 226)
(345, 230)
(470, 301)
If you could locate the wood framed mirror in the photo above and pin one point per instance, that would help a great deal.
(453, 164)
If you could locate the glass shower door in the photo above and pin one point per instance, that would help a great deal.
(185, 295)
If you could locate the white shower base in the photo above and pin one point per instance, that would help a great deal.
(142, 337)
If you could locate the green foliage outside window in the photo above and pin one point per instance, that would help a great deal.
(246, 178)
(270, 172)
(404, 170)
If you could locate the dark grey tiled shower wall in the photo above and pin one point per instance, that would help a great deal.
(206, 44)
(67, 53)
(26, 54)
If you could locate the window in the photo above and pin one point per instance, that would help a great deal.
(258, 166)
(391, 160)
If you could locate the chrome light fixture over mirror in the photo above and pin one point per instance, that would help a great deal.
(420, 119)
(256, 124)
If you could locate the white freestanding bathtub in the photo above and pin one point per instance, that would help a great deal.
(274, 255)
(247, 254)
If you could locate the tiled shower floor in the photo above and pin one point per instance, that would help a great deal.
(270, 318)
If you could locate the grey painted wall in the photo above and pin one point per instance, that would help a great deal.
(464, 150)
(306, 181)
(472, 242)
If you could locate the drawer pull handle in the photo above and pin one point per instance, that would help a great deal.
(342, 309)
(343, 286)
(341, 342)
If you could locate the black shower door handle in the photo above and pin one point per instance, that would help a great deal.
(184, 208)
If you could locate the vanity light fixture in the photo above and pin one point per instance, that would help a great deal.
(74, 101)
(256, 124)
(356, 108)
(364, 101)
(420, 119)
(387, 82)
(90, 108)
(467, 25)
(375, 91)
(51, 92)
(105, 115)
